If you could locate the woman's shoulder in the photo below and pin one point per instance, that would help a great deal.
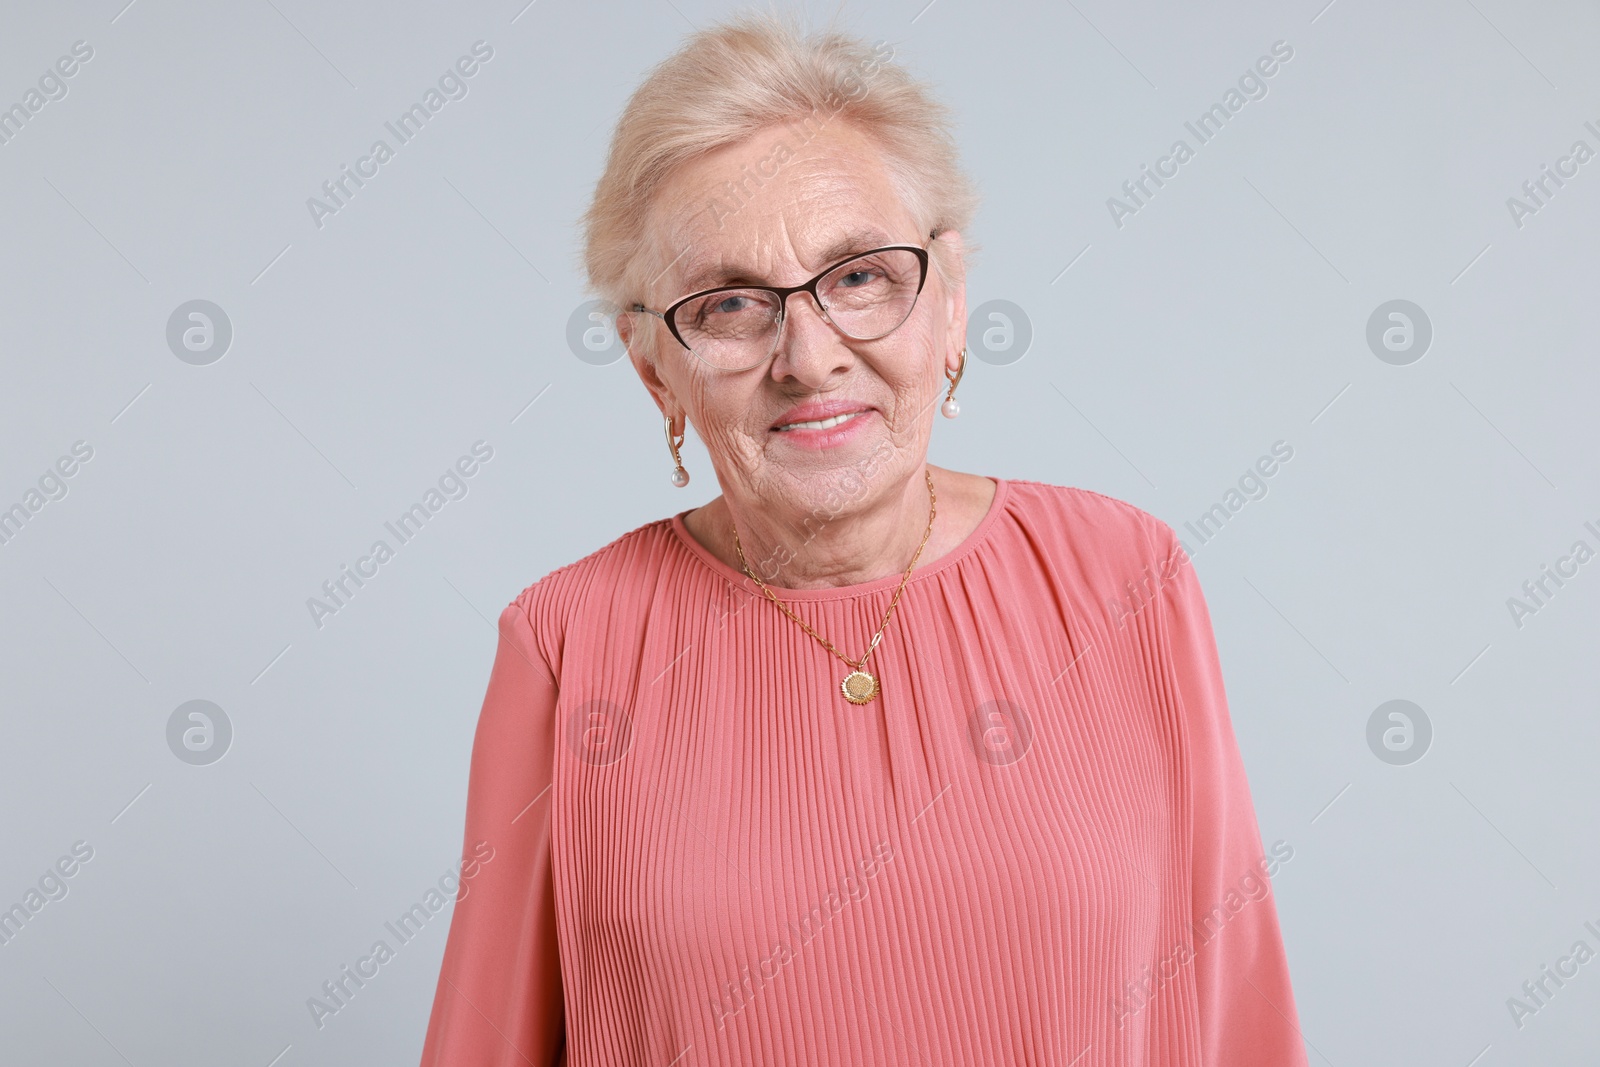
(608, 565)
(606, 583)
(1089, 520)
(1123, 557)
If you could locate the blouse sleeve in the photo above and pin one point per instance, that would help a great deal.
(498, 1000)
(1247, 1011)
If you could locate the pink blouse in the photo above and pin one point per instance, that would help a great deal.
(1036, 846)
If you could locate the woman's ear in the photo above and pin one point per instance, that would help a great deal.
(952, 252)
(641, 353)
(623, 320)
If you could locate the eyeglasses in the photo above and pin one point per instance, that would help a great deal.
(865, 297)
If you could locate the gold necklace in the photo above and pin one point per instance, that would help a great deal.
(858, 686)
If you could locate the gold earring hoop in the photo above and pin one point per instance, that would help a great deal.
(680, 477)
(950, 407)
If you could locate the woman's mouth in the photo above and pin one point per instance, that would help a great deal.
(820, 424)
(827, 432)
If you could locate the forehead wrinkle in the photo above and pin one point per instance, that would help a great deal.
(870, 227)
(820, 199)
(718, 271)
(821, 208)
(748, 263)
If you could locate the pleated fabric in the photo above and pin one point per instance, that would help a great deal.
(1036, 846)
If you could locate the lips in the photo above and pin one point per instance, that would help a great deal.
(817, 411)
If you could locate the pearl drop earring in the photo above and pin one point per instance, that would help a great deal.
(950, 408)
(680, 477)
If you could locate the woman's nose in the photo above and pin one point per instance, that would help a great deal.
(809, 348)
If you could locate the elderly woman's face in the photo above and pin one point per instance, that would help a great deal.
(775, 210)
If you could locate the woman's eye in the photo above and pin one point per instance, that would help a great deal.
(728, 305)
(856, 278)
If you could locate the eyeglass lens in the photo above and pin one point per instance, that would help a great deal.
(865, 298)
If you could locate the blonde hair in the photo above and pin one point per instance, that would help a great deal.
(737, 78)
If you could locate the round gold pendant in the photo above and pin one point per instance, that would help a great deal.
(859, 687)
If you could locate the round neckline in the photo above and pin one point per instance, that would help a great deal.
(978, 536)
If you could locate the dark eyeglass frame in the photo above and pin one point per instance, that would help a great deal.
(783, 293)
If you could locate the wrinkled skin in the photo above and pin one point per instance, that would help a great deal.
(805, 518)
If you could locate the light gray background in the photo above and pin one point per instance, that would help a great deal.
(370, 353)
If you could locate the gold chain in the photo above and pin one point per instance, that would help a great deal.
(933, 507)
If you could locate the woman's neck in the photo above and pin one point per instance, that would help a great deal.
(856, 545)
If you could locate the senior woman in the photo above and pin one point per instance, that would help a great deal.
(865, 761)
